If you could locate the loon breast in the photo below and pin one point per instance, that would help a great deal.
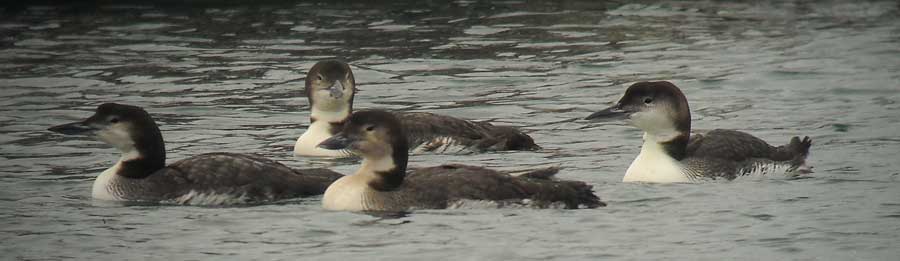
(653, 164)
(349, 193)
(307, 144)
(104, 185)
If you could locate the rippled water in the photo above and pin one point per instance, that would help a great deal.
(229, 78)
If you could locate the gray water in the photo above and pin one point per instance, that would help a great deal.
(229, 78)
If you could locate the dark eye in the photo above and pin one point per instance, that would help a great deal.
(319, 77)
(114, 120)
(370, 128)
(648, 100)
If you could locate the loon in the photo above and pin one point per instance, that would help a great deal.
(330, 88)
(382, 182)
(671, 154)
(141, 175)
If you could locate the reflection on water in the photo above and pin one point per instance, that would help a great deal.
(228, 77)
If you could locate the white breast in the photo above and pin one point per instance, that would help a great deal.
(654, 165)
(104, 184)
(101, 188)
(307, 144)
(347, 194)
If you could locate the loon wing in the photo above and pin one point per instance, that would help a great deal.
(424, 128)
(254, 178)
(728, 144)
(455, 182)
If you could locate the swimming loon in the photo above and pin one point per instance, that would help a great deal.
(207, 179)
(382, 182)
(671, 154)
(330, 88)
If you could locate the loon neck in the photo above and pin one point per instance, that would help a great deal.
(673, 144)
(145, 156)
(384, 173)
(330, 111)
(139, 164)
(335, 119)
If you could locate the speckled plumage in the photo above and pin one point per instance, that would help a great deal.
(671, 154)
(436, 133)
(383, 184)
(222, 179)
(441, 185)
(426, 132)
(729, 154)
(206, 179)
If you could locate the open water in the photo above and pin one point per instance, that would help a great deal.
(228, 77)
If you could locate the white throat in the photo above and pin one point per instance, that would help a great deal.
(319, 131)
(353, 193)
(656, 123)
(653, 164)
(375, 165)
(665, 135)
(330, 115)
(102, 188)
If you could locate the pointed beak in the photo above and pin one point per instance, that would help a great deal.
(337, 90)
(336, 142)
(611, 113)
(75, 128)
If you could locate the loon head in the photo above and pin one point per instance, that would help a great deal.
(658, 108)
(330, 88)
(123, 126)
(379, 138)
(127, 128)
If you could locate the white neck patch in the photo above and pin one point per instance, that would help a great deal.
(653, 164)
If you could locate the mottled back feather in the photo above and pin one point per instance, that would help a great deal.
(253, 177)
(730, 153)
(448, 183)
(422, 128)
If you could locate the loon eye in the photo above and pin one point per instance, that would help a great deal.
(648, 100)
(114, 120)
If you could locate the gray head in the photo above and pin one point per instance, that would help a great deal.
(330, 87)
(128, 128)
(657, 108)
(377, 136)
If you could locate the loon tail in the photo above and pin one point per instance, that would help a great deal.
(542, 173)
(586, 196)
(796, 150)
(517, 140)
(506, 138)
(800, 148)
(573, 193)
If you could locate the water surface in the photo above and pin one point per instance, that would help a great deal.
(229, 78)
